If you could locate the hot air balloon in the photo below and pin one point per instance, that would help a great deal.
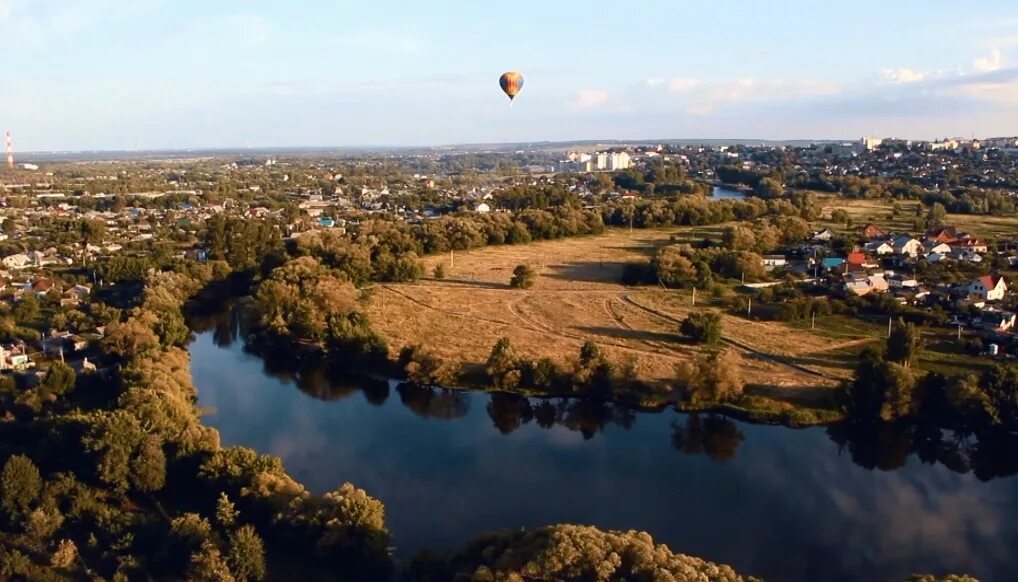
(511, 82)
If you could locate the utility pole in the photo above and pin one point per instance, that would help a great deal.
(452, 258)
(889, 327)
(959, 332)
(694, 296)
(813, 323)
(749, 308)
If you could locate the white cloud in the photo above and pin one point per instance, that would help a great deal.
(900, 76)
(683, 84)
(989, 63)
(675, 85)
(589, 98)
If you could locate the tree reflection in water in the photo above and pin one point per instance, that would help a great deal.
(715, 436)
(886, 447)
(433, 402)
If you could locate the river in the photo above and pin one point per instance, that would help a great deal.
(770, 501)
(723, 193)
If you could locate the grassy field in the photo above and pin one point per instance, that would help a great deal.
(881, 213)
(578, 298)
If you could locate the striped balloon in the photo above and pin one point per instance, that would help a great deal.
(511, 83)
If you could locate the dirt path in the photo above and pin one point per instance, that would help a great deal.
(730, 342)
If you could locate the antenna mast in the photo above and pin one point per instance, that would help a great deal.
(10, 150)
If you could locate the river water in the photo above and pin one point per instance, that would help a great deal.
(722, 193)
(773, 502)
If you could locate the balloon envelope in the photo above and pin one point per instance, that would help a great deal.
(511, 83)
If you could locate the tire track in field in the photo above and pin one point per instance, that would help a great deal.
(732, 343)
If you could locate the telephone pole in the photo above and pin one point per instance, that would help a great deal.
(694, 296)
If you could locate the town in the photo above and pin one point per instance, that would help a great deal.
(71, 228)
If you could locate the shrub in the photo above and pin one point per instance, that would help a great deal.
(524, 277)
(702, 327)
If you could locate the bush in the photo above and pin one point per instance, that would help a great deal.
(524, 277)
(711, 379)
(702, 327)
(439, 272)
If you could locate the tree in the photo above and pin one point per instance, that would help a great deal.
(702, 327)
(208, 565)
(439, 272)
(27, 309)
(937, 214)
(20, 485)
(905, 344)
(523, 277)
(840, 215)
(710, 379)
(672, 268)
(568, 552)
(59, 379)
(502, 367)
(226, 513)
(246, 555)
(148, 466)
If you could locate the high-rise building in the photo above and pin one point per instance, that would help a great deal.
(618, 161)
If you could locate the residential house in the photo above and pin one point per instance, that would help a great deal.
(872, 231)
(935, 246)
(17, 261)
(879, 248)
(482, 207)
(825, 235)
(75, 295)
(996, 321)
(832, 262)
(861, 284)
(772, 261)
(15, 357)
(988, 288)
(902, 282)
(906, 245)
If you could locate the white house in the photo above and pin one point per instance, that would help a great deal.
(772, 261)
(879, 248)
(18, 261)
(824, 235)
(482, 207)
(906, 245)
(988, 288)
(934, 246)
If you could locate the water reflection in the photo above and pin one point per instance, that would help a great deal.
(715, 436)
(850, 503)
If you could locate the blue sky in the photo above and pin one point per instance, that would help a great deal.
(111, 74)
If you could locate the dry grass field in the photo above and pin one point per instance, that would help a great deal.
(881, 213)
(577, 298)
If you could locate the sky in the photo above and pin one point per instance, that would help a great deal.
(158, 74)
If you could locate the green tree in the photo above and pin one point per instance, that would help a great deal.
(439, 271)
(26, 310)
(937, 214)
(841, 216)
(226, 513)
(246, 555)
(702, 327)
(20, 485)
(523, 277)
(59, 379)
(148, 465)
(905, 344)
(710, 379)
